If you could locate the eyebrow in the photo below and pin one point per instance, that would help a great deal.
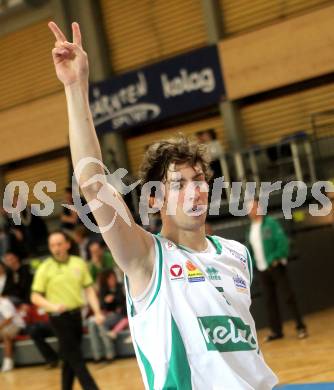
(182, 179)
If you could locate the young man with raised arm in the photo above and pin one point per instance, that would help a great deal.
(188, 294)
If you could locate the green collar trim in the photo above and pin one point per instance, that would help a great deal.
(214, 241)
(216, 244)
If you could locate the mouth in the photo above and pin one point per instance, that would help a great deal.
(196, 210)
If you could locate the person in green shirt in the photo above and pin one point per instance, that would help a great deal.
(269, 247)
(100, 259)
(58, 287)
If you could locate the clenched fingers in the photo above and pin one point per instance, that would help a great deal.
(60, 54)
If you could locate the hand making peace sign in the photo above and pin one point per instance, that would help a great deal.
(70, 59)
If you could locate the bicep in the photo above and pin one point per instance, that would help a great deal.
(39, 281)
(130, 245)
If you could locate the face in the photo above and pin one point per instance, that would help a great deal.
(59, 246)
(78, 237)
(95, 250)
(186, 197)
(68, 197)
(112, 281)
(11, 260)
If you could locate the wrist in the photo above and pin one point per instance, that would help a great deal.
(53, 307)
(80, 86)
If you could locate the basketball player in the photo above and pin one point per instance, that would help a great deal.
(188, 294)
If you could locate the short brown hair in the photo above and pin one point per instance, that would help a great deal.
(178, 150)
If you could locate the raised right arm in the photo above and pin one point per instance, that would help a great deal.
(131, 246)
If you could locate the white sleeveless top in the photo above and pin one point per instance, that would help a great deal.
(196, 331)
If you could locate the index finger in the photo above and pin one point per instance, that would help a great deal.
(57, 32)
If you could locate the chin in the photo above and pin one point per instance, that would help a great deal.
(194, 222)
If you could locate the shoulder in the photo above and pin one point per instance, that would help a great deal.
(233, 246)
(238, 253)
(78, 261)
(163, 243)
(46, 264)
(268, 220)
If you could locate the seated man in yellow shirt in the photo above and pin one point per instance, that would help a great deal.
(58, 288)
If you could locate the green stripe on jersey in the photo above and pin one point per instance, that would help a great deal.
(159, 271)
(179, 374)
(216, 244)
(148, 369)
(250, 266)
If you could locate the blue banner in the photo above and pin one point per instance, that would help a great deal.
(169, 88)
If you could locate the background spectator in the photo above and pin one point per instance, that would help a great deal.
(100, 259)
(11, 324)
(82, 238)
(7, 287)
(22, 276)
(270, 248)
(112, 302)
(215, 150)
(14, 235)
(68, 218)
(29, 236)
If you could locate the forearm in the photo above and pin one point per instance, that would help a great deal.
(93, 300)
(82, 134)
(40, 301)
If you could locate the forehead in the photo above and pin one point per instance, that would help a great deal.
(184, 171)
(56, 238)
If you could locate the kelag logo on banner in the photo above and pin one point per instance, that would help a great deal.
(182, 84)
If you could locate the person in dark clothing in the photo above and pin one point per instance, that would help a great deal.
(69, 218)
(22, 277)
(111, 295)
(26, 233)
(38, 332)
(15, 235)
(7, 287)
(112, 302)
(36, 233)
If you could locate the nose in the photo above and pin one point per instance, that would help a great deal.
(195, 191)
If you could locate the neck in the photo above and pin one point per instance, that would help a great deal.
(258, 218)
(191, 239)
(62, 259)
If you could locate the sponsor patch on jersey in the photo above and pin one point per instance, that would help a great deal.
(239, 256)
(240, 284)
(193, 273)
(226, 334)
(213, 273)
(170, 246)
(176, 272)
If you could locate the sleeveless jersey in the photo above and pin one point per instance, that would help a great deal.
(196, 331)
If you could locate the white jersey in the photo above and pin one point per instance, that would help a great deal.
(196, 331)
